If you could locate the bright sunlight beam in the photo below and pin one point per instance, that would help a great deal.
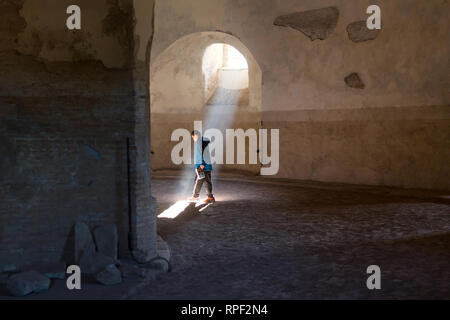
(175, 210)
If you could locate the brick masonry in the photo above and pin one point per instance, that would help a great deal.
(63, 132)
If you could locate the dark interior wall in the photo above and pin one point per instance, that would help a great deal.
(66, 108)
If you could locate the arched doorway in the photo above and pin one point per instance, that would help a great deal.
(226, 76)
(207, 76)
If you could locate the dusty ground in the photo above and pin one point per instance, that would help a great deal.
(288, 240)
(271, 239)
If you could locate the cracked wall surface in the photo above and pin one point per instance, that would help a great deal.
(67, 104)
(393, 132)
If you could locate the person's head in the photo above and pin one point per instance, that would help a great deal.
(195, 135)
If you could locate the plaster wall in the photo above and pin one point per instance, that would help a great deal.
(394, 132)
(178, 97)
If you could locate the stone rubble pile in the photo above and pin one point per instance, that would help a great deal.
(24, 283)
(33, 279)
(96, 254)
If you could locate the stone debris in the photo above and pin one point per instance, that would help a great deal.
(109, 276)
(55, 270)
(358, 32)
(354, 81)
(132, 271)
(28, 282)
(160, 265)
(106, 240)
(316, 24)
(83, 240)
(94, 262)
(98, 254)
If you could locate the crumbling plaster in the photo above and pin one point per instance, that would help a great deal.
(103, 35)
(403, 67)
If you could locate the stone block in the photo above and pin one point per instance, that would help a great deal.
(109, 276)
(106, 240)
(132, 271)
(94, 262)
(83, 240)
(28, 282)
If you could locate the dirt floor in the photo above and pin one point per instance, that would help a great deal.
(267, 239)
(273, 239)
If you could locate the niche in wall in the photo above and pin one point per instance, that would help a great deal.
(226, 76)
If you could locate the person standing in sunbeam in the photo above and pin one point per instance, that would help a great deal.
(203, 168)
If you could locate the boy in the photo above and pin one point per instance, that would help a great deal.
(203, 167)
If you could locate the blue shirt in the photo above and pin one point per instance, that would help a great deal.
(201, 154)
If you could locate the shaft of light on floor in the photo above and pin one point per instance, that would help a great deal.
(175, 210)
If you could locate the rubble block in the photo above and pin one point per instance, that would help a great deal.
(94, 262)
(132, 271)
(28, 282)
(83, 240)
(106, 240)
(109, 276)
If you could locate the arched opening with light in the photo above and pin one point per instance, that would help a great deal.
(226, 76)
(210, 77)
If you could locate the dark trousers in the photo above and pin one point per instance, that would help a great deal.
(199, 183)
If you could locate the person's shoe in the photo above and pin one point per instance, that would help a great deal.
(192, 199)
(209, 200)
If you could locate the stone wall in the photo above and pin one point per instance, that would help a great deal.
(353, 106)
(67, 106)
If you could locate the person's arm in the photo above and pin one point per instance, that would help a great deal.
(206, 156)
(198, 154)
